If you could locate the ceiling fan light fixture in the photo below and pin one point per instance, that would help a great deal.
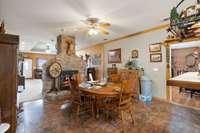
(92, 31)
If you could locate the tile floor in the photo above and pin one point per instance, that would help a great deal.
(158, 117)
(185, 99)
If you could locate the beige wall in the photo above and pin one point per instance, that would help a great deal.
(156, 71)
(97, 49)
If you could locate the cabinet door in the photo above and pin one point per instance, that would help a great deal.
(133, 78)
(133, 81)
(8, 67)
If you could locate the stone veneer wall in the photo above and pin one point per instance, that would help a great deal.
(67, 61)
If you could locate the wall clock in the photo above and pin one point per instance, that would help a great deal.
(190, 60)
(55, 70)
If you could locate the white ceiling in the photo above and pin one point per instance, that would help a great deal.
(38, 22)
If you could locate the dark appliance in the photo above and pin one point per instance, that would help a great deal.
(93, 72)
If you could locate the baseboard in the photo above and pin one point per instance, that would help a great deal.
(161, 99)
(185, 106)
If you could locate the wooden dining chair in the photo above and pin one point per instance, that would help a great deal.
(120, 104)
(83, 102)
(115, 78)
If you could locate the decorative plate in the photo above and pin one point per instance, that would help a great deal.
(190, 60)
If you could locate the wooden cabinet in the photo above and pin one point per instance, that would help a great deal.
(0, 115)
(112, 74)
(133, 77)
(8, 79)
(38, 73)
(21, 81)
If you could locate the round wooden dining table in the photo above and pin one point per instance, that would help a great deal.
(110, 90)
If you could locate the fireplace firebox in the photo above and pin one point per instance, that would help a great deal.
(71, 65)
(65, 78)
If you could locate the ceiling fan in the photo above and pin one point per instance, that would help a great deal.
(95, 26)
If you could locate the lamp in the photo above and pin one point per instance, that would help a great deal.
(4, 127)
(93, 31)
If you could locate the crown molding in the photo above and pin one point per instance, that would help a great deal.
(159, 27)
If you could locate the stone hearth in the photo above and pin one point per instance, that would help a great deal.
(68, 60)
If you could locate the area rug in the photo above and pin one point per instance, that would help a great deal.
(32, 92)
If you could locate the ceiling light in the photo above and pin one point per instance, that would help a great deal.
(93, 31)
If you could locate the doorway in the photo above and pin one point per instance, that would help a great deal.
(184, 60)
(27, 68)
(32, 89)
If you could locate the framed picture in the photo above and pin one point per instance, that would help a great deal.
(134, 53)
(156, 47)
(156, 57)
(96, 59)
(114, 56)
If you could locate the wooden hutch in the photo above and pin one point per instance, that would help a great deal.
(8, 79)
(133, 75)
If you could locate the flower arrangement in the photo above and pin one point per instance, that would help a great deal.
(133, 64)
(129, 64)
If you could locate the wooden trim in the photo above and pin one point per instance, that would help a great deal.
(167, 78)
(9, 39)
(184, 84)
(35, 53)
(168, 70)
(178, 40)
(159, 27)
(138, 33)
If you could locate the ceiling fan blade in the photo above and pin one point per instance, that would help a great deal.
(104, 25)
(165, 19)
(104, 32)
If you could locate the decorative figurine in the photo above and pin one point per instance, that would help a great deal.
(2, 28)
(199, 69)
(184, 24)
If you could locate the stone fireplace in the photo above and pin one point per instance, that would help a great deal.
(70, 63)
(66, 77)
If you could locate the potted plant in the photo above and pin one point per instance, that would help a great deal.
(133, 64)
(130, 64)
